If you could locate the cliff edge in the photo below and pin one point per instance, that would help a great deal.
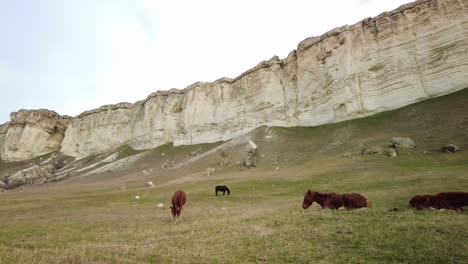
(415, 52)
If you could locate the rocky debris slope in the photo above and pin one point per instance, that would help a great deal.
(38, 172)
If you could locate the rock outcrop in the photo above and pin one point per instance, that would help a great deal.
(397, 58)
(402, 142)
(32, 133)
(3, 132)
(374, 150)
(415, 52)
(450, 148)
(98, 130)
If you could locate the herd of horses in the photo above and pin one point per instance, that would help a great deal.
(349, 201)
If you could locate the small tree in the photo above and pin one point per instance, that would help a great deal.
(224, 158)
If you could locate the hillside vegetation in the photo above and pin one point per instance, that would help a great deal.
(94, 217)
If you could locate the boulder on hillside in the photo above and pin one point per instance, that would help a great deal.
(374, 150)
(209, 171)
(449, 148)
(346, 155)
(224, 163)
(402, 142)
(391, 152)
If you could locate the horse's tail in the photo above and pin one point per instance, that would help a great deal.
(368, 204)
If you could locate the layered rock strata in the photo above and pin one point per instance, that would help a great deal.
(32, 133)
(417, 51)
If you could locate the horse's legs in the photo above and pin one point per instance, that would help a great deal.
(216, 192)
(224, 192)
(177, 218)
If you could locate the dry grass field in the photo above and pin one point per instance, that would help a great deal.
(95, 219)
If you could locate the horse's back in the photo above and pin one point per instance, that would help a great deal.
(443, 200)
(354, 200)
(453, 200)
(333, 200)
(222, 188)
(183, 198)
(179, 198)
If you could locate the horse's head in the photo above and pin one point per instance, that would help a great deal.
(308, 199)
(173, 211)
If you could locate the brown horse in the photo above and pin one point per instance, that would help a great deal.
(335, 201)
(178, 200)
(443, 200)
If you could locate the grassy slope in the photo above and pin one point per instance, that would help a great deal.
(95, 220)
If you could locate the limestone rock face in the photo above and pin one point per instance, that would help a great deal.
(98, 130)
(415, 52)
(31, 133)
(3, 132)
(156, 120)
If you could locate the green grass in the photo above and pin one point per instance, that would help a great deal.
(127, 151)
(262, 221)
(98, 221)
(258, 225)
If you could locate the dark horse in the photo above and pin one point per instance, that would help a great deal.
(178, 200)
(335, 201)
(222, 188)
(443, 200)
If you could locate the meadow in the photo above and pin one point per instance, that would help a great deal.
(96, 219)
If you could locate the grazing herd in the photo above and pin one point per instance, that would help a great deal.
(348, 201)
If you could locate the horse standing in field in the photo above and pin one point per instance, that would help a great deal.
(335, 201)
(178, 201)
(443, 200)
(222, 188)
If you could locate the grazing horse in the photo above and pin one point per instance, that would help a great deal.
(335, 201)
(222, 188)
(443, 200)
(178, 200)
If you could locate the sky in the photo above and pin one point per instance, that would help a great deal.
(77, 55)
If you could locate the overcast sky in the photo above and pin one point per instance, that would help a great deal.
(75, 55)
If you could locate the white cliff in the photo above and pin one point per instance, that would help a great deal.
(98, 130)
(415, 52)
(31, 133)
(3, 132)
